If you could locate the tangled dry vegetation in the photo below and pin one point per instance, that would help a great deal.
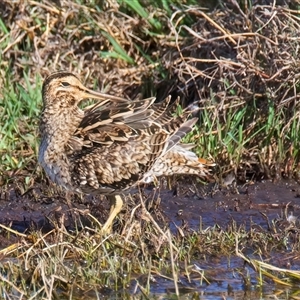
(244, 68)
(241, 64)
(72, 264)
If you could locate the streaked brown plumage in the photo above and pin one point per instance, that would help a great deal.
(112, 145)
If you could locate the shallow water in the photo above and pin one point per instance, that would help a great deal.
(247, 206)
(250, 204)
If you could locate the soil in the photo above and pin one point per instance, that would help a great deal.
(188, 204)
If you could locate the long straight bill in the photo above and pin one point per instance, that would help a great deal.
(102, 96)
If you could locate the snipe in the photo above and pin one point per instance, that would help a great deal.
(112, 145)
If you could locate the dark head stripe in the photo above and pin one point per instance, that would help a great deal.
(56, 75)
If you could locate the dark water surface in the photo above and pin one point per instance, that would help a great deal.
(246, 205)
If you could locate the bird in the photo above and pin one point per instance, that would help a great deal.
(115, 143)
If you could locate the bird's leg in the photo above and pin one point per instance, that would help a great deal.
(68, 196)
(116, 204)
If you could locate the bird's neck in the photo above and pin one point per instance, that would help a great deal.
(56, 129)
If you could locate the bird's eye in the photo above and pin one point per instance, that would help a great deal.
(64, 83)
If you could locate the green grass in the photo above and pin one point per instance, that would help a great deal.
(228, 133)
(19, 113)
(239, 138)
(120, 49)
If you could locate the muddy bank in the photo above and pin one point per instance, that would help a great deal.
(188, 206)
(185, 205)
(245, 204)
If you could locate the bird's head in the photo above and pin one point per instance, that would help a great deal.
(65, 90)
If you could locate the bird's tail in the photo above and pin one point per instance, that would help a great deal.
(179, 160)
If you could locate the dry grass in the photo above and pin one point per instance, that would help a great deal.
(62, 264)
(244, 70)
(241, 65)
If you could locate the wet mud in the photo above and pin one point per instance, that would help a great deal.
(250, 203)
(188, 205)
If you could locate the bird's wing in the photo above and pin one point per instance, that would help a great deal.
(117, 142)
